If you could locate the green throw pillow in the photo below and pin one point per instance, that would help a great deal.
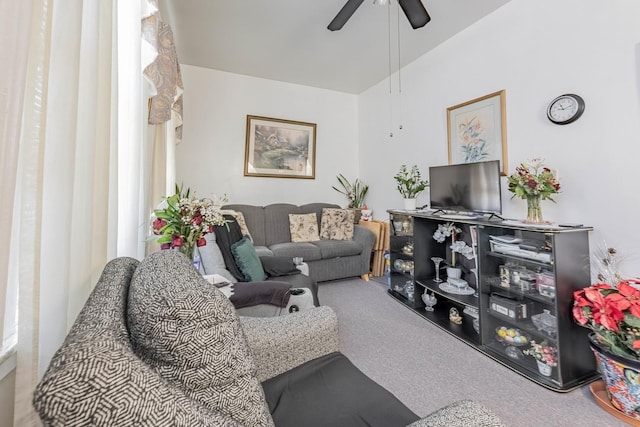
(247, 260)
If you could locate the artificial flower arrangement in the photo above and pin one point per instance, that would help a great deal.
(409, 182)
(613, 314)
(534, 179)
(183, 221)
(355, 192)
(543, 352)
(449, 229)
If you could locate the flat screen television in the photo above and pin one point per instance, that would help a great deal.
(466, 187)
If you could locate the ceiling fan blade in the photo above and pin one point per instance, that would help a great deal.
(416, 13)
(345, 13)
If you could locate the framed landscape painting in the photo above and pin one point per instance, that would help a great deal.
(477, 130)
(280, 148)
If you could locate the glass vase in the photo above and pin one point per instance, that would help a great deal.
(187, 250)
(534, 211)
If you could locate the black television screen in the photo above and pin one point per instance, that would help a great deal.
(467, 187)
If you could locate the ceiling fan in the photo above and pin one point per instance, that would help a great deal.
(413, 9)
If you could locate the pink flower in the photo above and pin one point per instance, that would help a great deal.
(177, 241)
(158, 224)
(201, 242)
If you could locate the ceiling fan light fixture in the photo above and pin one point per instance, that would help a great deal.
(381, 2)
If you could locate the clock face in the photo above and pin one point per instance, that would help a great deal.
(565, 109)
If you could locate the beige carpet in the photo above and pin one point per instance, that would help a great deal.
(427, 368)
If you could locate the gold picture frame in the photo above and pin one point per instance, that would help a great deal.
(477, 130)
(280, 148)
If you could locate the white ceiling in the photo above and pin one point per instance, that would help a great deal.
(288, 40)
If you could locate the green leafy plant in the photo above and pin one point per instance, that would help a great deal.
(355, 192)
(182, 221)
(534, 179)
(409, 182)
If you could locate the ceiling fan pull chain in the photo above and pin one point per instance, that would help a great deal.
(399, 72)
(390, 88)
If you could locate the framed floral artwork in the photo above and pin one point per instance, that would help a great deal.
(280, 148)
(477, 130)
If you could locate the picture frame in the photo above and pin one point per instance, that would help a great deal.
(477, 130)
(280, 148)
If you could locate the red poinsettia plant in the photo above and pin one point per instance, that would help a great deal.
(613, 314)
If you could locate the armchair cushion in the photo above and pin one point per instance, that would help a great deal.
(247, 260)
(463, 413)
(212, 259)
(189, 333)
(282, 343)
(276, 266)
(331, 391)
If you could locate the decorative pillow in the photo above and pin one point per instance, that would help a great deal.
(212, 259)
(304, 227)
(190, 334)
(247, 260)
(336, 224)
(239, 217)
(276, 266)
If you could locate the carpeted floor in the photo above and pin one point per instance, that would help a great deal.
(426, 368)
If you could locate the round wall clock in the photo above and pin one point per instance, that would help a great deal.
(565, 109)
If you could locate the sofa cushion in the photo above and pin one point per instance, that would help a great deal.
(308, 251)
(303, 227)
(276, 222)
(190, 334)
(254, 217)
(340, 395)
(338, 248)
(336, 224)
(227, 235)
(239, 218)
(247, 260)
(276, 266)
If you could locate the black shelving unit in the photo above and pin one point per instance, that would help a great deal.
(538, 276)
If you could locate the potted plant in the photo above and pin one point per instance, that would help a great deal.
(449, 229)
(355, 192)
(410, 184)
(182, 221)
(612, 313)
(546, 356)
(533, 181)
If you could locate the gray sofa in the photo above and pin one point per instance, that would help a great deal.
(327, 259)
(155, 345)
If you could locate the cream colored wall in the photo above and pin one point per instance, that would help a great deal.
(211, 157)
(582, 46)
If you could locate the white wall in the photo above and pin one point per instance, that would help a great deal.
(210, 158)
(535, 51)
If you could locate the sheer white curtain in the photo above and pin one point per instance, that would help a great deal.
(15, 24)
(83, 169)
